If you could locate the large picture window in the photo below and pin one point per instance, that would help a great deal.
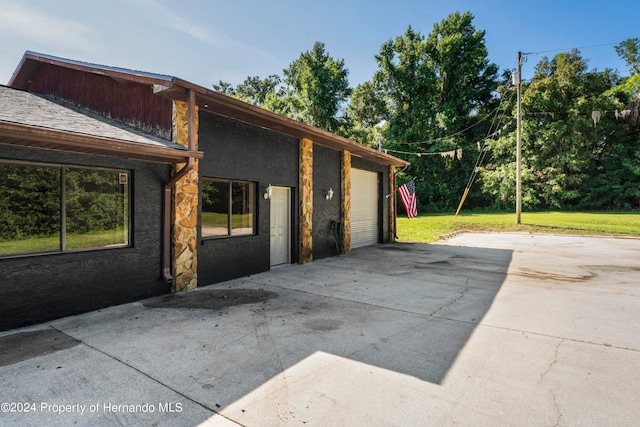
(47, 208)
(228, 208)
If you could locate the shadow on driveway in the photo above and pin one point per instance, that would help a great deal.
(402, 308)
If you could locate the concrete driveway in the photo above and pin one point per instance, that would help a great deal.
(479, 330)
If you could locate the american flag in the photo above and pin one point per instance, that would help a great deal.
(408, 197)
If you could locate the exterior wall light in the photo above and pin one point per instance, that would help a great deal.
(329, 195)
(267, 194)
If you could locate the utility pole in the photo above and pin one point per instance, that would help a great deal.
(519, 143)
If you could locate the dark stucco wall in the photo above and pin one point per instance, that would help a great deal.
(327, 171)
(38, 288)
(234, 150)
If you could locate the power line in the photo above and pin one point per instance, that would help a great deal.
(483, 153)
(483, 149)
(566, 50)
(494, 130)
(441, 138)
(420, 154)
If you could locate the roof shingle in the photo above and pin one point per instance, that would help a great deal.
(27, 108)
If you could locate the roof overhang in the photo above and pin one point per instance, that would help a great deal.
(32, 62)
(206, 99)
(227, 106)
(24, 135)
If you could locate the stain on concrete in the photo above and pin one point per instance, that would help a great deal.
(323, 325)
(22, 346)
(443, 262)
(547, 275)
(212, 300)
(429, 265)
(612, 268)
(403, 247)
(394, 248)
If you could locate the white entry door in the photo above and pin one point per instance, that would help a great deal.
(280, 225)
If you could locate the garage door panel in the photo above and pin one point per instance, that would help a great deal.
(364, 208)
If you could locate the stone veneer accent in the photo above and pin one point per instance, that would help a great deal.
(306, 200)
(184, 221)
(346, 201)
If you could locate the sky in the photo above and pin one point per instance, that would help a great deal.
(207, 41)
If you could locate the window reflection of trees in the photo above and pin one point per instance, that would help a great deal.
(52, 208)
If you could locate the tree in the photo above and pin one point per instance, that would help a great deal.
(29, 202)
(315, 88)
(629, 51)
(224, 88)
(576, 154)
(558, 128)
(407, 80)
(466, 78)
(567, 149)
(253, 90)
(437, 90)
(319, 84)
(366, 112)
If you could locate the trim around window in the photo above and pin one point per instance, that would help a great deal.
(49, 208)
(228, 208)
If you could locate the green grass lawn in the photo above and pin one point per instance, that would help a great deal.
(424, 228)
(221, 220)
(429, 228)
(74, 241)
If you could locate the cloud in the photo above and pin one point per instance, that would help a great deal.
(43, 29)
(168, 17)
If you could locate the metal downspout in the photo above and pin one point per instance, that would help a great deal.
(168, 190)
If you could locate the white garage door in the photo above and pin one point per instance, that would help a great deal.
(364, 208)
